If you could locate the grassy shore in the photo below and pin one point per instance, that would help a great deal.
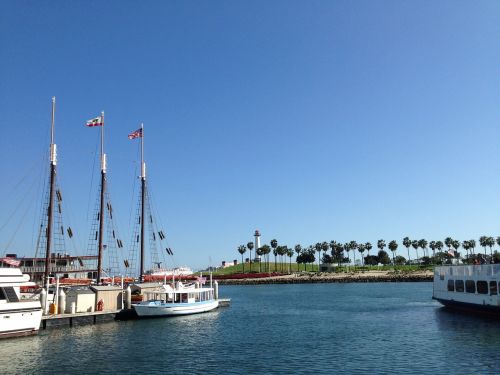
(341, 275)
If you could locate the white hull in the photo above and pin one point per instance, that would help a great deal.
(155, 308)
(20, 318)
(472, 287)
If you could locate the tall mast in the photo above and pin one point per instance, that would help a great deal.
(101, 211)
(143, 199)
(53, 162)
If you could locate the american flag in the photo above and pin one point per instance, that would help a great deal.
(11, 262)
(95, 122)
(135, 134)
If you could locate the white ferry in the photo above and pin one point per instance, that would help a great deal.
(18, 317)
(472, 288)
(179, 300)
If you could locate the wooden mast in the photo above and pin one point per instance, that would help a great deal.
(143, 199)
(50, 209)
(101, 211)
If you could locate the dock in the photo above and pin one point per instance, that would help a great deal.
(57, 320)
(93, 317)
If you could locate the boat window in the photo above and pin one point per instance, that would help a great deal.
(482, 287)
(451, 285)
(459, 285)
(493, 288)
(10, 294)
(2, 294)
(470, 286)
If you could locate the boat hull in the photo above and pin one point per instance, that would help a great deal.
(20, 319)
(158, 309)
(470, 308)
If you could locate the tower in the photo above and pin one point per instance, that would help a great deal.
(257, 242)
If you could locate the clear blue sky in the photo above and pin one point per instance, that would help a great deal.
(309, 120)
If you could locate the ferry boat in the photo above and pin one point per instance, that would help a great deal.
(179, 299)
(472, 288)
(18, 317)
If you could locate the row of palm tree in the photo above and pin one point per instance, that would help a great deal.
(305, 254)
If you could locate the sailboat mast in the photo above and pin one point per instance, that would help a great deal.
(101, 210)
(143, 199)
(50, 209)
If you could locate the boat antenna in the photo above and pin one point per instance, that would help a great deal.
(101, 210)
(53, 162)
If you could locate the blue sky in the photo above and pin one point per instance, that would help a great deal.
(311, 121)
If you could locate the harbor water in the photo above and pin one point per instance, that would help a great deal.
(277, 329)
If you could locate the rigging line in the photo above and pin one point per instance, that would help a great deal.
(133, 187)
(20, 223)
(15, 188)
(41, 181)
(92, 177)
(18, 206)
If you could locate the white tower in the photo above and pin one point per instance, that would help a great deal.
(257, 241)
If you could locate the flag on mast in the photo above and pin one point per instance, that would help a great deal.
(135, 134)
(95, 122)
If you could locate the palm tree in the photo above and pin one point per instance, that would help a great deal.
(282, 251)
(242, 249)
(381, 244)
(264, 250)
(456, 245)
(361, 249)
(298, 249)
(466, 246)
(432, 245)
(290, 255)
(491, 242)
(368, 247)
(472, 245)
(324, 247)
(250, 248)
(347, 248)
(259, 252)
(439, 245)
(414, 244)
(448, 241)
(393, 246)
(483, 241)
(318, 249)
(274, 245)
(353, 245)
(407, 244)
(423, 245)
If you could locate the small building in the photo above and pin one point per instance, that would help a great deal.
(83, 298)
(110, 295)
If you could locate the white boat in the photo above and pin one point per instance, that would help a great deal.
(177, 300)
(471, 288)
(18, 317)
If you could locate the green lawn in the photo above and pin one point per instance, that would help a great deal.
(282, 267)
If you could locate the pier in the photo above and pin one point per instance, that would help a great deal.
(93, 317)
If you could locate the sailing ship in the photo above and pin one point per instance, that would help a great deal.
(174, 298)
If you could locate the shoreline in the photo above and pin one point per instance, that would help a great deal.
(321, 278)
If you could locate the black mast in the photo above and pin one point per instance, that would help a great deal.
(101, 211)
(143, 199)
(53, 162)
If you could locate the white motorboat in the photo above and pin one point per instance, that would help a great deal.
(472, 288)
(18, 317)
(179, 299)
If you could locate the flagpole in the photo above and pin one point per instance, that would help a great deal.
(53, 162)
(101, 210)
(143, 199)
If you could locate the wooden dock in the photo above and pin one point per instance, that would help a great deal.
(60, 320)
(57, 320)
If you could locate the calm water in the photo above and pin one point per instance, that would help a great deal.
(277, 329)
